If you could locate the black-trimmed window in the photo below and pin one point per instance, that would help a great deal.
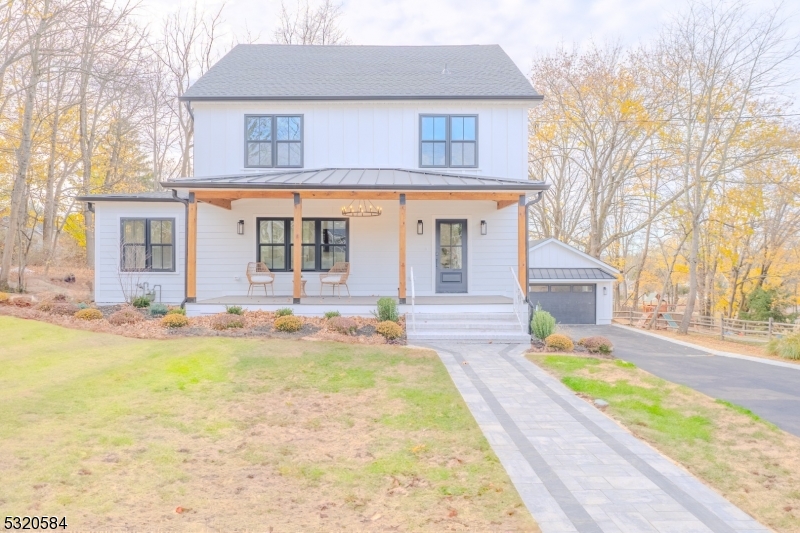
(325, 242)
(273, 141)
(448, 141)
(147, 245)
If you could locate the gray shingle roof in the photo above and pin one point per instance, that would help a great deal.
(357, 179)
(294, 72)
(569, 273)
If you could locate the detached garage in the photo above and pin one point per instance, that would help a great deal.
(572, 286)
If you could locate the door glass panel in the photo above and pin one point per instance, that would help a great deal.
(444, 257)
(444, 234)
(559, 288)
(456, 238)
(455, 258)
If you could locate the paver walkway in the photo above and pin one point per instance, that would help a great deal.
(575, 468)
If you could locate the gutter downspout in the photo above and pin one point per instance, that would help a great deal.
(528, 205)
(185, 244)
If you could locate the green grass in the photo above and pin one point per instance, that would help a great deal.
(105, 427)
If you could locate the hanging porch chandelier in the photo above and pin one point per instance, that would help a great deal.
(361, 208)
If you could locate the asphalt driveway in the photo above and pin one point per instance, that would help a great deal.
(772, 392)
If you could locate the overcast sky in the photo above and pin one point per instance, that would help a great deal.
(524, 28)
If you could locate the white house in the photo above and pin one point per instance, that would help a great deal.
(294, 143)
(572, 286)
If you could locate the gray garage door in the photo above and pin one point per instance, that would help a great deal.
(569, 304)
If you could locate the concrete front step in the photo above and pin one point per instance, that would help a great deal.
(462, 336)
(472, 326)
(466, 317)
(465, 327)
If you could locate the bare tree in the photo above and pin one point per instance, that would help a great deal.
(313, 26)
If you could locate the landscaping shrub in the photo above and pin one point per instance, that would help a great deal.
(45, 307)
(234, 310)
(331, 314)
(343, 325)
(559, 342)
(389, 329)
(285, 311)
(387, 310)
(82, 305)
(787, 347)
(542, 324)
(226, 321)
(597, 344)
(64, 309)
(22, 301)
(140, 302)
(288, 323)
(89, 314)
(158, 309)
(174, 321)
(60, 298)
(177, 311)
(126, 315)
(3, 298)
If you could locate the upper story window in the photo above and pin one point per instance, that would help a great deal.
(273, 140)
(448, 141)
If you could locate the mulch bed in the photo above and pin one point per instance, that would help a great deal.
(257, 324)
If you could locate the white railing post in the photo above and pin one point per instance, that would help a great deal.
(520, 307)
(413, 297)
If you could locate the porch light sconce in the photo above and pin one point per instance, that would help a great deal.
(419, 227)
(605, 291)
(484, 227)
(240, 227)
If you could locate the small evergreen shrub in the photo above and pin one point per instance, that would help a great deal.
(82, 305)
(234, 310)
(389, 329)
(141, 302)
(224, 321)
(387, 310)
(158, 309)
(288, 323)
(542, 324)
(556, 341)
(597, 344)
(344, 325)
(285, 311)
(126, 315)
(89, 314)
(331, 314)
(174, 321)
(177, 311)
(787, 347)
(4, 298)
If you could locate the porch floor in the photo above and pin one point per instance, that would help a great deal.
(450, 299)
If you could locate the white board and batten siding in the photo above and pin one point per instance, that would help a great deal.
(362, 134)
(222, 254)
(554, 254)
(111, 284)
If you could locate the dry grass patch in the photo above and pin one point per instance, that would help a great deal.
(748, 460)
(240, 434)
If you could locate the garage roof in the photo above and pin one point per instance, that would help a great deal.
(550, 274)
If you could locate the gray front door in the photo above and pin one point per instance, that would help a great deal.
(451, 256)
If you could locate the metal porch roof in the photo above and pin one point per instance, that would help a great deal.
(551, 274)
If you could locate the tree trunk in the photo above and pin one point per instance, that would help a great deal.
(694, 252)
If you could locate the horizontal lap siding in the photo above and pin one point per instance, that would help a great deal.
(222, 255)
(109, 280)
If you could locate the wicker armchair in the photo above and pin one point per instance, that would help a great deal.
(259, 274)
(335, 277)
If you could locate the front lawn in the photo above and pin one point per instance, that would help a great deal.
(748, 460)
(240, 434)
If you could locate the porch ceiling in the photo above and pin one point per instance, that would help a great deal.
(350, 179)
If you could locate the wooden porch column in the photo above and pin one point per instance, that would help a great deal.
(297, 251)
(522, 245)
(191, 250)
(402, 270)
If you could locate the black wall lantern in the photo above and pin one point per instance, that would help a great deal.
(419, 227)
(484, 227)
(240, 227)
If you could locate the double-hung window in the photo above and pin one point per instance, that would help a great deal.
(448, 141)
(147, 245)
(324, 241)
(273, 141)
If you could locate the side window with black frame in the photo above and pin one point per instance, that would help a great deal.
(325, 242)
(448, 141)
(147, 245)
(273, 141)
